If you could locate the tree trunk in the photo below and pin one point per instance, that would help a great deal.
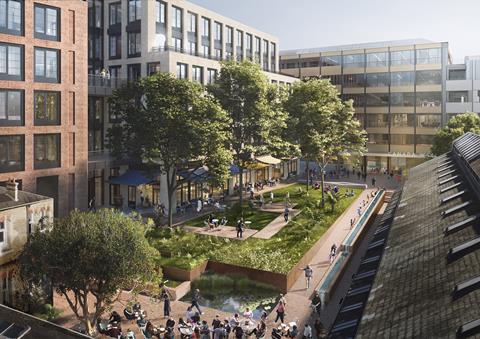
(170, 208)
(171, 191)
(241, 190)
(308, 173)
(322, 176)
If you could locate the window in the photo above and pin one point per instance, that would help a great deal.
(206, 51)
(3, 238)
(239, 45)
(153, 67)
(95, 123)
(197, 74)
(177, 18)
(335, 79)
(115, 195)
(134, 10)
(377, 99)
(402, 99)
(192, 47)
(332, 60)
(458, 96)
(206, 27)
(265, 55)
(115, 13)
(381, 139)
(11, 62)
(47, 108)
(402, 139)
(402, 79)
(134, 72)
(273, 56)
(212, 76)
(377, 120)
(377, 59)
(115, 46)
(429, 99)
(403, 120)
(258, 47)
(160, 14)
(248, 42)
(47, 65)
(47, 22)
(115, 71)
(47, 151)
(421, 139)
(402, 58)
(12, 152)
(134, 44)
(358, 99)
(182, 71)
(192, 22)
(377, 79)
(218, 31)
(353, 80)
(429, 120)
(11, 107)
(429, 56)
(11, 17)
(429, 77)
(354, 60)
(229, 35)
(457, 74)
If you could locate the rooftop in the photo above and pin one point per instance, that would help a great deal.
(378, 44)
(7, 200)
(427, 284)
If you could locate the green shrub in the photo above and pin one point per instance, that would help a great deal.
(47, 312)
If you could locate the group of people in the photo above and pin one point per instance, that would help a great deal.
(213, 223)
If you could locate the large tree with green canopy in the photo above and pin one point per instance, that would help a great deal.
(90, 255)
(456, 127)
(258, 120)
(322, 124)
(173, 124)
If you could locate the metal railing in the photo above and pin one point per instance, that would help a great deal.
(95, 80)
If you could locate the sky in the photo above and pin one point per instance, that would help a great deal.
(316, 23)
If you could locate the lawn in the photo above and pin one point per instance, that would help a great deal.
(259, 218)
(277, 254)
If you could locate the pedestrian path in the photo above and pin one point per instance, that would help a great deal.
(275, 225)
(298, 298)
(222, 231)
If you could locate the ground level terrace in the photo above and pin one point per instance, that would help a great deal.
(129, 188)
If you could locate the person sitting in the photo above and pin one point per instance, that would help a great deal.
(238, 331)
(248, 314)
(293, 332)
(317, 186)
(261, 329)
(149, 330)
(115, 331)
(130, 334)
(276, 334)
(114, 317)
(141, 321)
(189, 315)
(223, 221)
(170, 323)
(234, 321)
(169, 334)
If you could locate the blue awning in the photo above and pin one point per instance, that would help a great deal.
(131, 178)
(234, 169)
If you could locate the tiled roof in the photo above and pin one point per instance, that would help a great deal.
(24, 198)
(413, 293)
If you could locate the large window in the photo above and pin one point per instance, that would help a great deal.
(115, 46)
(421, 139)
(11, 107)
(47, 108)
(197, 74)
(229, 35)
(429, 99)
(47, 65)
(134, 10)
(11, 17)
(380, 139)
(153, 68)
(177, 18)
(457, 74)
(402, 58)
(134, 72)
(11, 62)
(177, 44)
(182, 71)
(402, 139)
(335, 79)
(249, 46)
(429, 56)
(377, 99)
(429, 77)
(47, 151)
(402, 79)
(353, 80)
(212, 76)
(239, 46)
(358, 99)
(47, 22)
(403, 120)
(192, 22)
(331, 60)
(377, 120)
(115, 13)
(354, 60)
(429, 120)
(218, 31)
(458, 96)
(95, 123)
(12, 153)
(160, 13)
(134, 44)
(402, 99)
(205, 27)
(377, 79)
(377, 59)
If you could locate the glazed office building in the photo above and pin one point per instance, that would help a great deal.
(398, 90)
(43, 96)
(136, 38)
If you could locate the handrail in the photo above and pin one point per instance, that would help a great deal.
(95, 80)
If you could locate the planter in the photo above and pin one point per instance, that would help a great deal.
(180, 274)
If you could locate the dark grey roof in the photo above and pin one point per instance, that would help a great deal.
(24, 198)
(413, 293)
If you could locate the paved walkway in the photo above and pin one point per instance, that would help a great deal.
(221, 231)
(298, 299)
(275, 225)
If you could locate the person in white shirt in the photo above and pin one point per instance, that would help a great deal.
(248, 314)
(307, 332)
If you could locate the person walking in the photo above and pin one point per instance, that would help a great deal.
(333, 253)
(196, 299)
(240, 228)
(166, 301)
(281, 309)
(285, 214)
(373, 181)
(308, 275)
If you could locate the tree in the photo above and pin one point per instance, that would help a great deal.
(90, 255)
(323, 126)
(173, 124)
(456, 127)
(332, 199)
(257, 118)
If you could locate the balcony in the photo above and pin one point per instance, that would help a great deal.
(103, 86)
